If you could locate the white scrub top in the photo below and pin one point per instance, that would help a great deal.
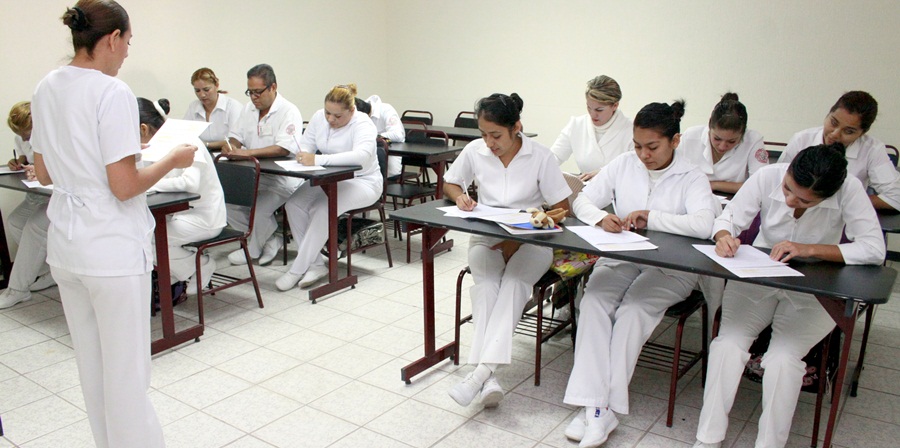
(223, 118)
(735, 165)
(681, 201)
(866, 159)
(281, 126)
(208, 212)
(23, 148)
(532, 177)
(849, 210)
(579, 138)
(351, 144)
(389, 126)
(85, 120)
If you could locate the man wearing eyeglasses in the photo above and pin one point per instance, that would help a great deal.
(265, 129)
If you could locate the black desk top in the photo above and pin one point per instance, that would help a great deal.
(890, 221)
(268, 166)
(156, 200)
(453, 132)
(676, 252)
(421, 149)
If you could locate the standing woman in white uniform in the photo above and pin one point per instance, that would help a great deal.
(389, 126)
(512, 171)
(212, 106)
(803, 207)
(343, 136)
(206, 217)
(599, 136)
(28, 222)
(725, 150)
(653, 188)
(99, 244)
(848, 123)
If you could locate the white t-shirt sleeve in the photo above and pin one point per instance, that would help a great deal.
(289, 130)
(118, 124)
(551, 182)
(597, 194)
(462, 171)
(701, 207)
(861, 226)
(758, 156)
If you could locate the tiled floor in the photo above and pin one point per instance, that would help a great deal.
(294, 374)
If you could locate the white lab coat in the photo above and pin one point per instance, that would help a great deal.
(624, 302)
(798, 320)
(99, 248)
(281, 126)
(389, 126)
(222, 120)
(28, 225)
(502, 288)
(307, 208)
(866, 159)
(735, 165)
(579, 138)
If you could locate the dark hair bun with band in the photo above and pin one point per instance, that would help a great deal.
(661, 117)
(75, 19)
(505, 110)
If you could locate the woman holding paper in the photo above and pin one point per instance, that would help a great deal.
(512, 171)
(803, 208)
(206, 217)
(213, 106)
(343, 136)
(650, 187)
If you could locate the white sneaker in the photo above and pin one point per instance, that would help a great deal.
(491, 393)
(598, 429)
(10, 297)
(237, 257)
(315, 273)
(43, 282)
(575, 430)
(465, 391)
(270, 250)
(287, 281)
(207, 268)
(700, 444)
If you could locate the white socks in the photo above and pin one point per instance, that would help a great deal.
(483, 372)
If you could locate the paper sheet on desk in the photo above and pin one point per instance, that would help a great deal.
(722, 199)
(612, 242)
(749, 262)
(6, 170)
(173, 133)
(35, 184)
(480, 211)
(293, 165)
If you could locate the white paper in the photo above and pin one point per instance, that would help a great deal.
(722, 199)
(173, 133)
(749, 262)
(640, 245)
(510, 218)
(480, 211)
(5, 170)
(293, 165)
(596, 235)
(35, 184)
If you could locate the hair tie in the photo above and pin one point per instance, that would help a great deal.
(162, 113)
(80, 19)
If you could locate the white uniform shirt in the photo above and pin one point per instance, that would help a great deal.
(532, 177)
(351, 144)
(23, 148)
(85, 120)
(680, 203)
(579, 138)
(735, 165)
(223, 118)
(281, 126)
(820, 224)
(208, 212)
(389, 126)
(866, 159)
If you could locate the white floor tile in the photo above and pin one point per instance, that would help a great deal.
(305, 427)
(416, 423)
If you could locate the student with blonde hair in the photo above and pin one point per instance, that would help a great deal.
(213, 106)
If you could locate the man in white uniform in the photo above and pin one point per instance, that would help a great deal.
(266, 129)
(387, 122)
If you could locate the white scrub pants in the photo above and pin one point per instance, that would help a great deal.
(307, 212)
(182, 261)
(798, 323)
(109, 321)
(622, 305)
(499, 295)
(28, 225)
(274, 191)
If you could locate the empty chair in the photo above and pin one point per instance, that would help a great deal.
(417, 116)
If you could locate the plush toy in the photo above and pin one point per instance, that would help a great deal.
(546, 220)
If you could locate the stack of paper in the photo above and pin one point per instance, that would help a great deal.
(612, 242)
(293, 165)
(480, 211)
(749, 262)
(5, 170)
(173, 133)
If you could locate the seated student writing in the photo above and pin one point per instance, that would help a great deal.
(848, 123)
(725, 150)
(803, 208)
(214, 107)
(28, 223)
(511, 171)
(206, 217)
(650, 188)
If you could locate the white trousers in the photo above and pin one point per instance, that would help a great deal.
(622, 305)
(109, 321)
(499, 295)
(28, 225)
(307, 212)
(798, 323)
(182, 261)
(274, 191)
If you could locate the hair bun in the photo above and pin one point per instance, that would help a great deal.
(730, 96)
(839, 148)
(75, 19)
(517, 100)
(677, 109)
(164, 104)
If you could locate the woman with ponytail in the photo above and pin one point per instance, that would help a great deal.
(214, 107)
(803, 207)
(725, 150)
(649, 188)
(512, 171)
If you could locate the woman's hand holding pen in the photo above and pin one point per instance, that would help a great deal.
(612, 223)
(726, 245)
(465, 203)
(306, 159)
(14, 164)
(637, 219)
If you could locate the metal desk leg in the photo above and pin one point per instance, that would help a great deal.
(334, 283)
(844, 313)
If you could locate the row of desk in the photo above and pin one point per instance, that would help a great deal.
(839, 288)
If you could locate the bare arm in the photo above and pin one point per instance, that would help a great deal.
(456, 194)
(879, 204)
(237, 149)
(725, 187)
(126, 181)
(40, 170)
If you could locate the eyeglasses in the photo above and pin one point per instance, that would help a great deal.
(256, 93)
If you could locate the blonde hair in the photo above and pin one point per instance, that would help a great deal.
(206, 74)
(20, 118)
(344, 94)
(603, 89)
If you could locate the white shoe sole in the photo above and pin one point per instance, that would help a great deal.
(492, 399)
